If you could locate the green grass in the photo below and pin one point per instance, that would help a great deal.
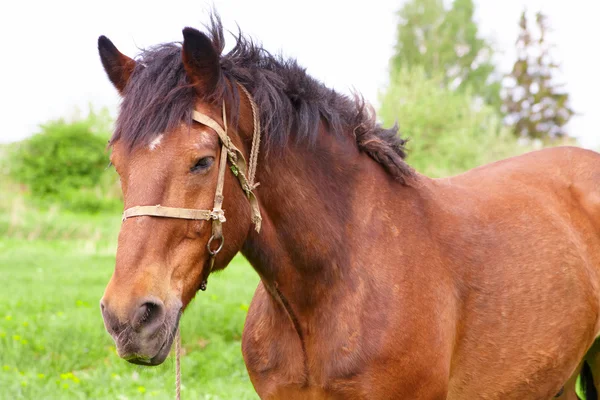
(53, 344)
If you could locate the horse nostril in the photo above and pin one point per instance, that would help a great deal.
(110, 320)
(148, 315)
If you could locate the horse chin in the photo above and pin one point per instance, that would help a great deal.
(162, 353)
(158, 359)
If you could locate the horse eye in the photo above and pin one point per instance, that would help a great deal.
(202, 164)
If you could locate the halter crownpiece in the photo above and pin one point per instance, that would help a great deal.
(244, 173)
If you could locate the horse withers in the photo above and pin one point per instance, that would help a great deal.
(376, 282)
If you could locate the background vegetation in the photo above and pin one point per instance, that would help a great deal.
(60, 206)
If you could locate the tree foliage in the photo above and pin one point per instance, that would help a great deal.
(535, 105)
(446, 42)
(447, 132)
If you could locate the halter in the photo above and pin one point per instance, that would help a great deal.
(239, 168)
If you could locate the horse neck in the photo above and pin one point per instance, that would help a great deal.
(310, 197)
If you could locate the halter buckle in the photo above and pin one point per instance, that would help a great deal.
(218, 215)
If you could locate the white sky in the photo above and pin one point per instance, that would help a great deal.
(50, 65)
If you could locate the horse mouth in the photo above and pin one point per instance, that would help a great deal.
(163, 351)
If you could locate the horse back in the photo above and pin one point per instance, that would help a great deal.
(564, 178)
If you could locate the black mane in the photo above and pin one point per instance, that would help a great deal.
(159, 97)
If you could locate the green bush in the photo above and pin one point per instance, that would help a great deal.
(64, 156)
(448, 131)
(66, 163)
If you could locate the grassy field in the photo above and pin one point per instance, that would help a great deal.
(52, 340)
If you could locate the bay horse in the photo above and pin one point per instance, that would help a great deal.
(376, 282)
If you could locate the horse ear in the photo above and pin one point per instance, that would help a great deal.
(118, 66)
(201, 61)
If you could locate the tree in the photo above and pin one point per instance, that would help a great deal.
(536, 107)
(446, 42)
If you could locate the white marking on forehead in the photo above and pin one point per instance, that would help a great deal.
(155, 142)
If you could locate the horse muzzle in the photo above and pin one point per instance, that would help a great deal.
(146, 337)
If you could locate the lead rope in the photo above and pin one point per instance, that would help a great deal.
(177, 366)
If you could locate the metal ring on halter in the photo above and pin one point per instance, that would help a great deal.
(210, 251)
